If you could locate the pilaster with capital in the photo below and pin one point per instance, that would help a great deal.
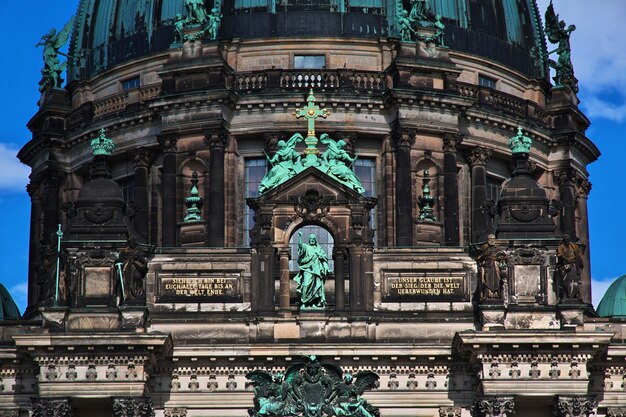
(141, 160)
(403, 140)
(168, 182)
(574, 405)
(450, 142)
(477, 158)
(494, 406)
(217, 140)
(565, 179)
(34, 191)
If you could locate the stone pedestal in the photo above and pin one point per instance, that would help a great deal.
(192, 234)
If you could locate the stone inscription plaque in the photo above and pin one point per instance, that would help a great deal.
(411, 286)
(202, 287)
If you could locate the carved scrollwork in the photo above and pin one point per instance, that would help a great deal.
(574, 406)
(312, 206)
(478, 156)
(494, 406)
(451, 141)
(48, 407)
(450, 412)
(527, 256)
(135, 407)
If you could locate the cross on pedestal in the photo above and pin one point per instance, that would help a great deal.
(311, 112)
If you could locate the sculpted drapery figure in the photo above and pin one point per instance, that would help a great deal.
(489, 262)
(310, 280)
(213, 23)
(52, 42)
(285, 163)
(196, 13)
(569, 267)
(559, 34)
(339, 163)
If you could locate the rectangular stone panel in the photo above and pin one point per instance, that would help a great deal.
(97, 281)
(408, 286)
(527, 281)
(202, 287)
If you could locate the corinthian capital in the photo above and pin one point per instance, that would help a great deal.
(451, 141)
(478, 156)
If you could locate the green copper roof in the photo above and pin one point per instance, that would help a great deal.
(613, 303)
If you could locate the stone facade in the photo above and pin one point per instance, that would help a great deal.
(158, 317)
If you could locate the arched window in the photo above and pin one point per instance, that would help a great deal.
(324, 239)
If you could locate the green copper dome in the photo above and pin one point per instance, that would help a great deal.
(613, 303)
(110, 32)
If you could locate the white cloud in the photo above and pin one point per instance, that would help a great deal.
(19, 292)
(13, 174)
(597, 53)
(598, 289)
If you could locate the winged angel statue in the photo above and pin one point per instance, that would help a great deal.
(558, 34)
(312, 388)
(52, 69)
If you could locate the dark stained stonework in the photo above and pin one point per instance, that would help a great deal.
(153, 316)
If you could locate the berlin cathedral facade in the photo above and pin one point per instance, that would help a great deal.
(315, 208)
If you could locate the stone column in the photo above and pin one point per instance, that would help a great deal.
(132, 406)
(494, 406)
(584, 188)
(357, 298)
(574, 405)
(141, 158)
(33, 249)
(52, 407)
(51, 205)
(477, 159)
(339, 255)
(168, 196)
(284, 301)
(451, 190)
(403, 141)
(217, 140)
(567, 191)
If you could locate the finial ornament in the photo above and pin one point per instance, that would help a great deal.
(520, 143)
(311, 112)
(193, 202)
(102, 145)
(426, 201)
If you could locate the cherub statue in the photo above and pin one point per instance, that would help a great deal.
(179, 24)
(52, 42)
(405, 28)
(558, 34)
(213, 23)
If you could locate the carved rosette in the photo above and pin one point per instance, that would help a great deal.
(478, 156)
(451, 141)
(494, 406)
(574, 406)
(141, 157)
(49, 407)
(216, 138)
(132, 407)
(168, 143)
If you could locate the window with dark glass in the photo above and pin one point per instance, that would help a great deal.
(130, 83)
(485, 81)
(365, 169)
(255, 169)
(309, 61)
(127, 185)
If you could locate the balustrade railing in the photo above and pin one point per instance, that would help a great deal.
(306, 79)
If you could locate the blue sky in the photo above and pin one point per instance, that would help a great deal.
(599, 60)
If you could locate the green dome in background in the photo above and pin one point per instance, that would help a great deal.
(613, 303)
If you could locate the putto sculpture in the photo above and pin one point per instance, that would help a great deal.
(312, 388)
(201, 24)
(52, 42)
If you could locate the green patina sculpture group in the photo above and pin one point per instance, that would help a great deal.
(312, 388)
(313, 264)
(287, 163)
(419, 17)
(559, 34)
(52, 42)
(197, 17)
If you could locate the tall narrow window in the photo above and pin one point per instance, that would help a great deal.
(365, 169)
(255, 171)
(127, 185)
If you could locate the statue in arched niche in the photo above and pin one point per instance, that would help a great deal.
(313, 263)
